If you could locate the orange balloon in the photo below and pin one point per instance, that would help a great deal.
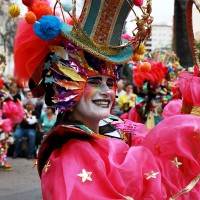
(145, 67)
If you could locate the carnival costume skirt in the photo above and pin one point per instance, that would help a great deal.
(166, 164)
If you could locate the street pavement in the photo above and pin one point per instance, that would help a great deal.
(22, 183)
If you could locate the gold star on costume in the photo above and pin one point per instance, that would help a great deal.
(46, 167)
(176, 162)
(85, 175)
(152, 174)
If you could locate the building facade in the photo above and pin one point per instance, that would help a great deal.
(161, 37)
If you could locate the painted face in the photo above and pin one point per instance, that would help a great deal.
(97, 99)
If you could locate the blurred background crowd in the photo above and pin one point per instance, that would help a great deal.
(24, 121)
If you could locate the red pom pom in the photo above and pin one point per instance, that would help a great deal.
(30, 17)
(145, 67)
(138, 2)
(28, 2)
(41, 8)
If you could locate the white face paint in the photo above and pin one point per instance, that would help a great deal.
(97, 100)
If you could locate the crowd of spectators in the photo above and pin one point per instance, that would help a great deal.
(37, 121)
(125, 98)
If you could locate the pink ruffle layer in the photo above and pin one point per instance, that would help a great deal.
(119, 171)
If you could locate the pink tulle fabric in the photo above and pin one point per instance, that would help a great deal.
(195, 91)
(172, 108)
(177, 137)
(190, 88)
(185, 80)
(6, 125)
(119, 172)
(14, 111)
(137, 130)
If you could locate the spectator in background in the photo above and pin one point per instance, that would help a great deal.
(28, 96)
(47, 120)
(37, 102)
(15, 91)
(119, 92)
(127, 100)
(27, 128)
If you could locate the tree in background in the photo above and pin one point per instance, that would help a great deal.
(181, 41)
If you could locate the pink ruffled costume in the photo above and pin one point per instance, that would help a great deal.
(165, 162)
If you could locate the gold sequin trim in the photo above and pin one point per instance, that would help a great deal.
(46, 167)
(195, 110)
(97, 52)
(105, 49)
(85, 12)
(106, 21)
(187, 189)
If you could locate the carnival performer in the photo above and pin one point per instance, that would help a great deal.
(11, 113)
(76, 69)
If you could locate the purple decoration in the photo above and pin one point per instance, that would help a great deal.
(117, 70)
(63, 106)
(1, 94)
(63, 98)
(58, 76)
(75, 64)
(70, 47)
(62, 90)
(94, 62)
(4, 158)
(80, 70)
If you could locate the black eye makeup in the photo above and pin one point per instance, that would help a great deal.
(96, 81)
(110, 82)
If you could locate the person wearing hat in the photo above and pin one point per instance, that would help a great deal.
(76, 69)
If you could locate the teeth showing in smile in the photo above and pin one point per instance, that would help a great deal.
(102, 103)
